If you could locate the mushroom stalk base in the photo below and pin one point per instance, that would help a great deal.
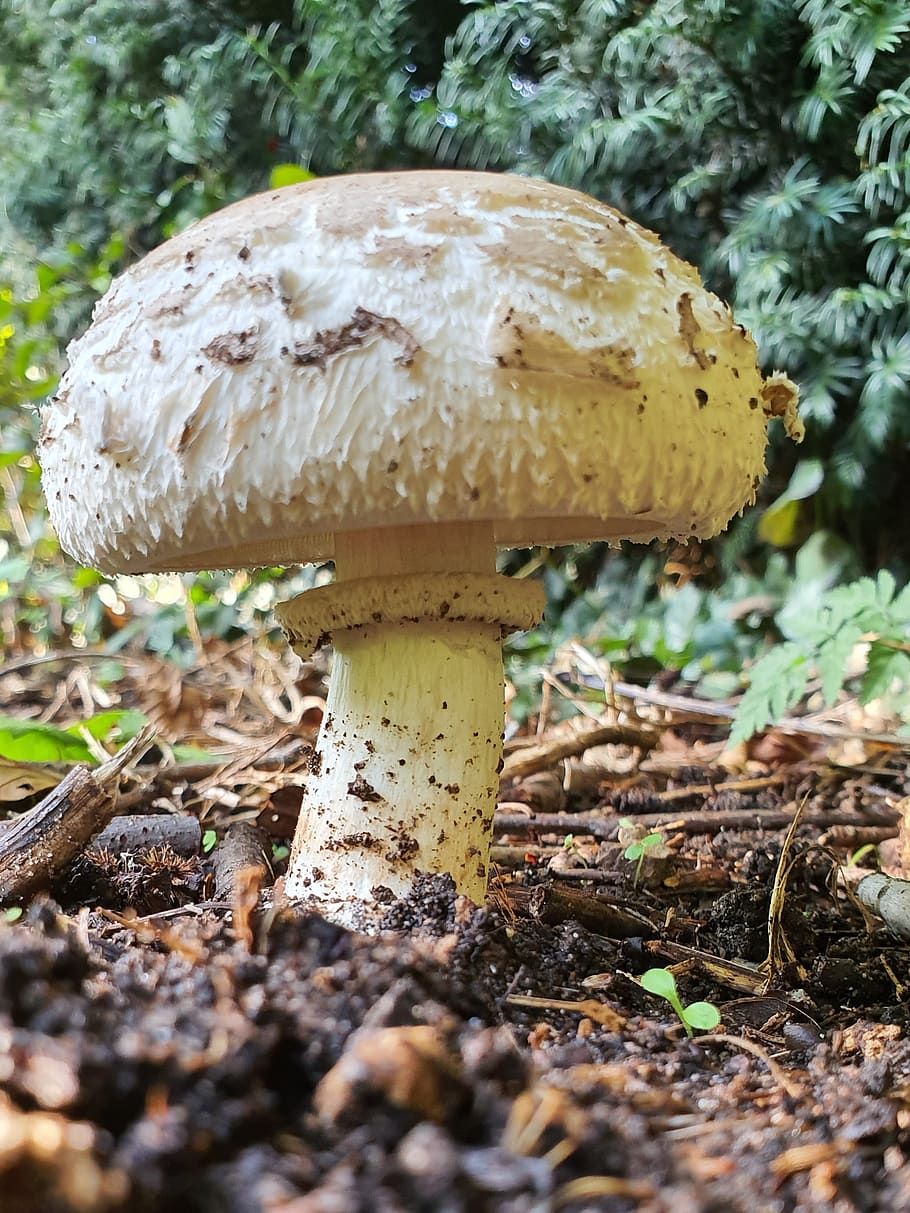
(405, 769)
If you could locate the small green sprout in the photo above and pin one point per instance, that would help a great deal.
(209, 840)
(13, 914)
(638, 849)
(702, 1015)
(280, 851)
(869, 849)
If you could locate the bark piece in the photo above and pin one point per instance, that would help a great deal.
(139, 831)
(552, 904)
(527, 761)
(243, 847)
(889, 899)
(41, 844)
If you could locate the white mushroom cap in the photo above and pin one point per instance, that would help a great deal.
(401, 348)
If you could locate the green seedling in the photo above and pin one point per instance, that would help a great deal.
(209, 841)
(869, 849)
(701, 1015)
(639, 849)
(13, 914)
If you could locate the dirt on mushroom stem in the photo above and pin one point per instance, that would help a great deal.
(406, 766)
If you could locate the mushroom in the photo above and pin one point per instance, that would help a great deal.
(401, 372)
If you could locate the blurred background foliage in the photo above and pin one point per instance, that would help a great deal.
(767, 142)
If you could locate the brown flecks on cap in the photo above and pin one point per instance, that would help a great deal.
(689, 329)
(244, 253)
(328, 343)
(701, 396)
(544, 352)
(753, 402)
(233, 348)
(777, 397)
(156, 350)
(187, 433)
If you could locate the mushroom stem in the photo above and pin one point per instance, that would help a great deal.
(405, 772)
(468, 547)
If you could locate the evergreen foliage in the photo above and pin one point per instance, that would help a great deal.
(767, 142)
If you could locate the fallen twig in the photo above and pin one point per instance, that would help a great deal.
(605, 827)
(39, 845)
(590, 1008)
(552, 904)
(889, 899)
(723, 714)
(245, 849)
(140, 831)
(530, 759)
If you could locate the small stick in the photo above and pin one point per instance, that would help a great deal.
(889, 899)
(723, 713)
(139, 831)
(531, 759)
(599, 825)
(591, 1008)
(245, 849)
(730, 785)
(551, 904)
(41, 844)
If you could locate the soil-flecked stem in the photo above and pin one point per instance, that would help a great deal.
(405, 772)
(405, 769)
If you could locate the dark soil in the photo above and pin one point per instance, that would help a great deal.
(172, 1067)
(162, 1051)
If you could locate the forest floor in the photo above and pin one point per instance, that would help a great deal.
(175, 1037)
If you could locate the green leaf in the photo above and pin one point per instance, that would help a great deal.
(702, 1015)
(209, 841)
(832, 659)
(195, 753)
(13, 914)
(779, 524)
(778, 680)
(32, 741)
(660, 982)
(884, 666)
(289, 174)
(124, 722)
